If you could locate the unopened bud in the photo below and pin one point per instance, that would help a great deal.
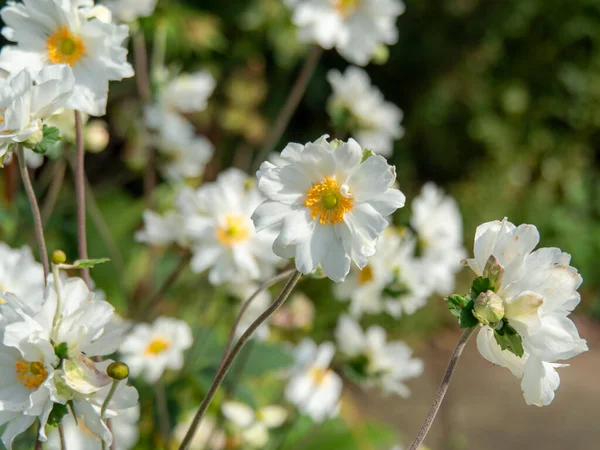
(96, 136)
(117, 370)
(494, 271)
(58, 257)
(489, 308)
(35, 138)
(381, 55)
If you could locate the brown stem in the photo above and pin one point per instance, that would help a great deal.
(140, 56)
(80, 194)
(163, 413)
(292, 102)
(439, 396)
(222, 372)
(58, 177)
(35, 210)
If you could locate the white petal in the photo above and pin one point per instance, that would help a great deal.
(273, 416)
(239, 413)
(372, 178)
(540, 380)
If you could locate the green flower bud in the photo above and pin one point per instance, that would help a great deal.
(58, 257)
(489, 308)
(494, 271)
(117, 370)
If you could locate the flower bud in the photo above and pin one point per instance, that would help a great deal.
(35, 138)
(58, 257)
(489, 308)
(117, 370)
(494, 271)
(381, 55)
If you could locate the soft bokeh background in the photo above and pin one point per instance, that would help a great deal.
(502, 108)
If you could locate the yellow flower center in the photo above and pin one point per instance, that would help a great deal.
(346, 7)
(156, 346)
(2, 112)
(30, 374)
(326, 201)
(319, 375)
(365, 275)
(234, 230)
(64, 47)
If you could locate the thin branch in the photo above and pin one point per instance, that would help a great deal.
(58, 177)
(61, 435)
(439, 396)
(80, 195)
(35, 210)
(163, 413)
(140, 56)
(290, 106)
(222, 372)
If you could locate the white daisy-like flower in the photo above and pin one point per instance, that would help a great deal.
(391, 282)
(151, 349)
(253, 426)
(437, 221)
(161, 230)
(184, 157)
(329, 205)
(314, 388)
(189, 92)
(28, 98)
(129, 10)
(217, 221)
(359, 107)
(20, 274)
(48, 32)
(383, 364)
(356, 28)
(207, 436)
(535, 293)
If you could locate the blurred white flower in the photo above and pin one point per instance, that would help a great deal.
(206, 437)
(314, 388)
(383, 364)
(67, 32)
(96, 135)
(189, 92)
(298, 312)
(28, 98)
(217, 222)
(359, 107)
(437, 221)
(252, 425)
(20, 274)
(356, 28)
(129, 10)
(150, 349)
(539, 290)
(391, 282)
(184, 157)
(328, 206)
(161, 230)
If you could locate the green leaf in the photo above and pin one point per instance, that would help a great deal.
(509, 339)
(89, 263)
(480, 285)
(467, 319)
(56, 415)
(456, 303)
(50, 139)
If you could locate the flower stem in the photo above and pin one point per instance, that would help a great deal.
(80, 194)
(35, 210)
(220, 376)
(61, 435)
(439, 396)
(109, 396)
(163, 413)
(292, 102)
(56, 279)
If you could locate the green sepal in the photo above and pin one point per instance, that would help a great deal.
(356, 368)
(62, 350)
(56, 415)
(50, 139)
(467, 319)
(509, 339)
(480, 285)
(367, 153)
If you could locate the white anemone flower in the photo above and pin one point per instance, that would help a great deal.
(314, 388)
(437, 221)
(383, 364)
(252, 425)
(184, 157)
(329, 205)
(151, 349)
(217, 220)
(48, 32)
(356, 28)
(161, 230)
(538, 291)
(189, 92)
(20, 274)
(373, 122)
(391, 282)
(129, 10)
(28, 98)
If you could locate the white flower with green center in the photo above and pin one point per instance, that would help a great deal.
(151, 349)
(20, 274)
(327, 204)
(253, 426)
(314, 387)
(383, 364)
(129, 10)
(358, 107)
(27, 99)
(538, 291)
(50, 32)
(356, 28)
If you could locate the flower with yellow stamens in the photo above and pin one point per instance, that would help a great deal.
(64, 47)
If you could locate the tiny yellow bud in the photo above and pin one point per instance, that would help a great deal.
(58, 257)
(117, 370)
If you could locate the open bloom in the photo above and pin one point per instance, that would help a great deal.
(129, 10)
(538, 291)
(20, 274)
(150, 349)
(28, 98)
(381, 363)
(314, 388)
(48, 32)
(359, 107)
(254, 425)
(329, 205)
(356, 28)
